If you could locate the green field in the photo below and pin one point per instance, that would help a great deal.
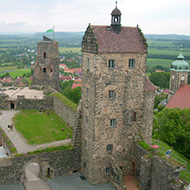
(19, 72)
(167, 52)
(40, 128)
(162, 62)
(70, 49)
(2, 69)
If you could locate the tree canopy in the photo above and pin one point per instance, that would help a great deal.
(173, 127)
(160, 79)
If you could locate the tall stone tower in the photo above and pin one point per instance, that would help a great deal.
(178, 74)
(46, 70)
(117, 98)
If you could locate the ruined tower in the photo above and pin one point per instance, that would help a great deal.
(117, 98)
(178, 74)
(46, 70)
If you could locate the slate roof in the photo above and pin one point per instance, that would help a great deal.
(181, 98)
(128, 40)
(149, 87)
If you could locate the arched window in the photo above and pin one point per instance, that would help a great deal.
(44, 70)
(45, 55)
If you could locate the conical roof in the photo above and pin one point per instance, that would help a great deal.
(180, 64)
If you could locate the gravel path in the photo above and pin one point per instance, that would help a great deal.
(17, 139)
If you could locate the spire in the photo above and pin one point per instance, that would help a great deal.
(116, 19)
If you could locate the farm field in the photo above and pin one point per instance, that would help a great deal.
(2, 69)
(161, 62)
(40, 128)
(70, 49)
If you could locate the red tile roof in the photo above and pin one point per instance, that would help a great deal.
(149, 87)
(128, 40)
(181, 98)
(76, 85)
(65, 77)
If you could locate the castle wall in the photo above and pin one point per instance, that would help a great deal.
(12, 170)
(63, 111)
(34, 104)
(153, 172)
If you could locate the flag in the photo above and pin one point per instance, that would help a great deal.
(50, 30)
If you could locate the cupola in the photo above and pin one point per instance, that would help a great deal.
(180, 64)
(116, 20)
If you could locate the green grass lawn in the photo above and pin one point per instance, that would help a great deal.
(40, 128)
(70, 49)
(179, 158)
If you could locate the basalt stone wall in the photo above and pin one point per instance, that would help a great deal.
(155, 173)
(34, 104)
(52, 164)
(63, 111)
(3, 101)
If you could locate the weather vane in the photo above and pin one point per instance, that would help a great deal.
(116, 4)
(181, 47)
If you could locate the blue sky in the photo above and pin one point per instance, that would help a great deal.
(153, 16)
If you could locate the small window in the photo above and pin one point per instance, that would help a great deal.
(44, 70)
(133, 116)
(112, 122)
(45, 55)
(131, 63)
(111, 64)
(87, 92)
(88, 62)
(107, 170)
(109, 147)
(86, 119)
(111, 94)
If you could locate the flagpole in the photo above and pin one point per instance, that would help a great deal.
(53, 32)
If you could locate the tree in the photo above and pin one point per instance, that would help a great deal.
(173, 127)
(160, 79)
(73, 94)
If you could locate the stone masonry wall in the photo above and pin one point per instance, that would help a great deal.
(63, 111)
(12, 169)
(153, 172)
(35, 104)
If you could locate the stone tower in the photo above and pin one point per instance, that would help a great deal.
(117, 98)
(178, 74)
(46, 70)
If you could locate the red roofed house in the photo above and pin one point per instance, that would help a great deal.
(181, 98)
(73, 71)
(65, 78)
(76, 85)
(117, 99)
(62, 65)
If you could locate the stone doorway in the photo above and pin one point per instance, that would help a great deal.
(32, 171)
(12, 105)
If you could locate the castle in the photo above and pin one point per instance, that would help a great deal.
(115, 112)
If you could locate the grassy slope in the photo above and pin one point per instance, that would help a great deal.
(177, 156)
(40, 128)
(162, 62)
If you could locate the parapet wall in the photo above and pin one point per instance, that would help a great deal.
(52, 164)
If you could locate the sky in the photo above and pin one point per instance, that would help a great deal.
(152, 16)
